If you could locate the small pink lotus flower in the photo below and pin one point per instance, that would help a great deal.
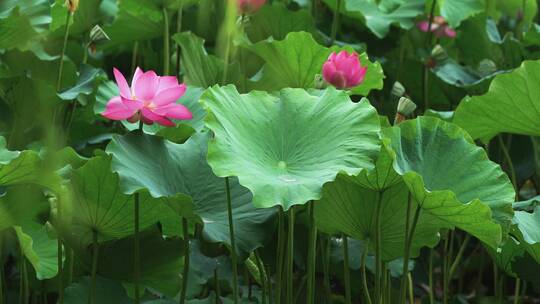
(249, 6)
(343, 70)
(439, 27)
(151, 98)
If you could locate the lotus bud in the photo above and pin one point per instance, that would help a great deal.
(438, 53)
(249, 6)
(319, 82)
(343, 70)
(486, 67)
(398, 89)
(97, 35)
(405, 109)
(72, 5)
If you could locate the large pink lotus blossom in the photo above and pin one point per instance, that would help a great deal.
(249, 6)
(343, 70)
(439, 27)
(151, 98)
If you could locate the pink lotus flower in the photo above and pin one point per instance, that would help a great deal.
(343, 70)
(249, 6)
(151, 98)
(439, 27)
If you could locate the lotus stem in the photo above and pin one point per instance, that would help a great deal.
(290, 257)
(326, 269)
(425, 76)
(517, 287)
(137, 258)
(364, 274)
(346, 271)
(95, 252)
(311, 260)
(411, 292)
(430, 278)
(60, 258)
(508, 160)
(134, 54)
(262, 275)
(233, 243)
(69, 16)
(280, 251)
(459, 255)
(185, 271)
(166, 47)
(335, 22)
(378, 248)
(179, 30)
(217, 287)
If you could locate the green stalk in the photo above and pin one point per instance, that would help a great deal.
(217, 287)
(517, 287)
(300, 288)
(495, 280)
(425, 76)
(364, 274)
(71, 265)
(383, 282)
(280, 250)
(262, 275)
(233, 243)
(290, 257)
(311, 260)
(378, 248)
(445, 269)
(269, 284)
(402, 288)
(457, 260)
(26, 287)
(60, 258)
(346, 271)
(134, 55)
(508, 160)
(179, 30)
(230, 16)
(326, 269)
(408, 245)
(137, 258)
(335, 22)
(64, 47)
(185, 271)
(1, 274)
(166, 47)
(430, 278)
(411, 292)
(137, 251)
(95, 252)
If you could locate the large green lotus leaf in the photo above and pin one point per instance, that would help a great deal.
(107, 292)
(381, 176)
(452, 178)
(26, 167)
(161, 261)
(109, 89)
(84, 85)
(451, 72)
(21, 204)
(136, 20)
(506, 255)
(348, 208)
(277, 21)
(509, 106)
(171, 168)
(378, 18)
(17, 31)
(455, 11)
(39, 249)
(528, 231)
(37, 10)
(295, 61)
(285, 147)
(200, 68)
(98, 204)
